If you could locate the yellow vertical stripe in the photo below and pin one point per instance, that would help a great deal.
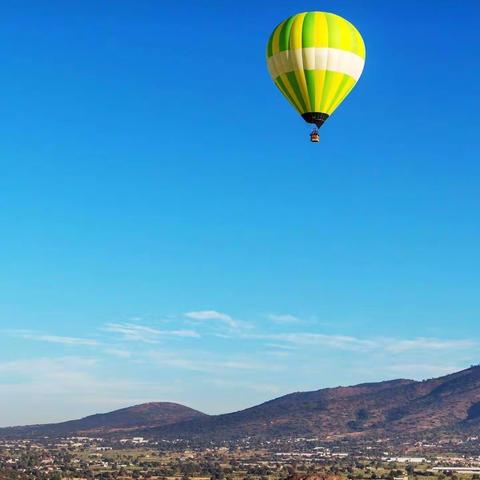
(320, 40)
(321, 31)
(286, 94)
(291, 92)
(341, 95)
(319, 83)
(296, 32)
(276, 38)
(333, 79)
(359, 43)
(345, 34)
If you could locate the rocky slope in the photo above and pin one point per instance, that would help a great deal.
(396, 407)
(155, 414)
(393, 407)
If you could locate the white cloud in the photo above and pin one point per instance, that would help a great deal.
(253, 386)
(140, 333)
(51, 367)
(213, 315)
(421, 370)
(356, 344)
(201, 362)
(422, 344)
(342, 342)
(282, 346)
(118, 352)
(283, 318)
(63, 340)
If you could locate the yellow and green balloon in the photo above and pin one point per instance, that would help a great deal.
(315, 59)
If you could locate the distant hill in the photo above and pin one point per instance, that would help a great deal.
(372, 409)
(155, 414)
(398, 407)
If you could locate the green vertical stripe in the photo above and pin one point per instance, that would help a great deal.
(340, 34)
(326, 89)
(285, 34)
(333, 40)
(310, 79)
(292, 80)
(308, 30)
(284, 90)
(270, 45)
(344, 81)
(359, 45)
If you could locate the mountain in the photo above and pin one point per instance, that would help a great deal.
(155, 414)
(398, 407)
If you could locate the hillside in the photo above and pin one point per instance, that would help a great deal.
(396, 407)
(155, 414)
(392, 407)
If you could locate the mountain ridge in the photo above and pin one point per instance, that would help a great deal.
(124, 419)
(392, 407)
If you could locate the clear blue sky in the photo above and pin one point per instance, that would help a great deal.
(168, 232)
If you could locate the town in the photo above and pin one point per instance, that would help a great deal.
(246, 459)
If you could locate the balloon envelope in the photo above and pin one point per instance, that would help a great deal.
(315, 59)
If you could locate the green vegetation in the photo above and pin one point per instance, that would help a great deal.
(296, 459)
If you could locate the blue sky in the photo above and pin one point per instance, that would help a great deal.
(168, 232)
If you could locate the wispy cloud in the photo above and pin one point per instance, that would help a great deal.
(253, 386)
(422, 343)
(342, 342)
(117, 352)
(197, 362)
(205, 315)
(63, 340)
(421, 370)
(282, 346)
(283, 318)
(140, 333)
(356, 344)
(51, 367)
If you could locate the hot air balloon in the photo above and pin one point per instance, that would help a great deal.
(315, 59)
